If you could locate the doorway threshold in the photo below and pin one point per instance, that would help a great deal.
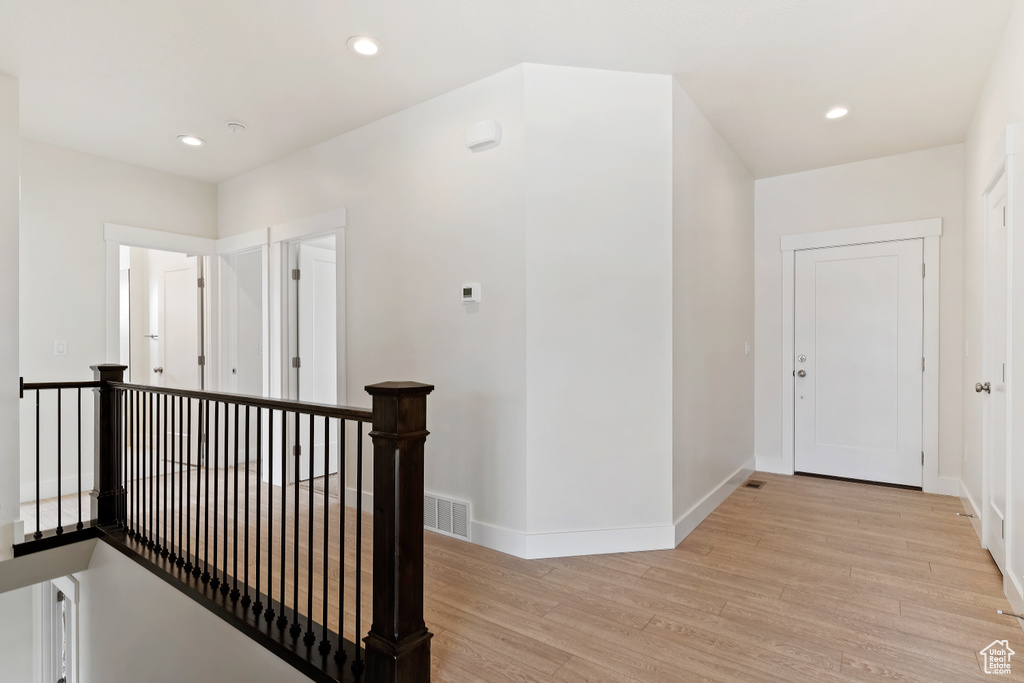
(859, 481)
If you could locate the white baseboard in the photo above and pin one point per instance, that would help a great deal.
(1015, 596)
(972, 507)
(946, 486)
(689, 520)
(350, 499)
(771, 466)
(48, 487)
(569, 543)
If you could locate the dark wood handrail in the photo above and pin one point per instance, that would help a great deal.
(317, 409)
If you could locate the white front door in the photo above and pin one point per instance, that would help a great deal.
(993, 385)
(859, 366)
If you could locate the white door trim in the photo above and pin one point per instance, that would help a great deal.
(279, 237)
(930, 231)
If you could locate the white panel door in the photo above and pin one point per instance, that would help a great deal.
(316, 338)
(993, 386)
(858, 378)
(179, 321)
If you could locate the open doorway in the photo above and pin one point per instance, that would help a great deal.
(164, 294)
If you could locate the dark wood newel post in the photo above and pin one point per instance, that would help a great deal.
(398, 645)
(107, 484)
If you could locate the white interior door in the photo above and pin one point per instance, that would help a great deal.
(859, 364)
(242, 307)
(993, 387)
(177, 277)
(313, 340)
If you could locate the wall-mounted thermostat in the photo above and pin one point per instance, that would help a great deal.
(471, 293)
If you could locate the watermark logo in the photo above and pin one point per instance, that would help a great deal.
(997, 657)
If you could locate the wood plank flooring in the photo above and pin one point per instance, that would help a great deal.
(804, 580)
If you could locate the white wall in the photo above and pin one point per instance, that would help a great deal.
(426, 215)
(1001, 103)
(17, 635)
(67, 196)
(599, 301)
(713, 316)
(159, 634)
(9, 162)
(925, 184)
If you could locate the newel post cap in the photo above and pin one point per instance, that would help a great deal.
(109, 372)
(399, 389)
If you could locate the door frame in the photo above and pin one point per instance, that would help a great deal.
(279, 238)
(929, 230)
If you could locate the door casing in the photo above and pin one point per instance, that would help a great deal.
(930, 231)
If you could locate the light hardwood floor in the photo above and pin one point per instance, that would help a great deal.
(803, 580)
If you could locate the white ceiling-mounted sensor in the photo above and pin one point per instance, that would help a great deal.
(471, 293)
(235, 127)
(483, 135)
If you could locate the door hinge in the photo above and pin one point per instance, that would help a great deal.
(922, 269)
(296, 274)
(1004, 215)
(296, 362)
(1002, 528)
(201, 282)
(922, 457)
(922, 365)
(202, 361)
(60, 596)
(297, 450)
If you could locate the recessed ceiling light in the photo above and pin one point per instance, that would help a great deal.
(837, 112)
(235, 127)
(191, 140)
(364, 45)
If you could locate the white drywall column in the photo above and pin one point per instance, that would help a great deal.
(9, 191)
(599, 309)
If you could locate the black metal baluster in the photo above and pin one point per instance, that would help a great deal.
(234, 519)
(310, 637)
(215, 581)
(224, 587)
(38, 533)
(258, 606)
(188, 495)
(162, 466)
(151, 418)
(357, 665)
(245, 578)
(60, 505)
(80, 522)
(282, 619)
(206, 506)
(296, 628)
(172, 556)
(157, 456)
(325, 644)
(181, 480)
(269, 614)
(122, 462)
(340, 654)
(136, 442)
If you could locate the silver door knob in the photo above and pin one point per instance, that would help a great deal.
(801, 373)
(986, 387)
(158, 370)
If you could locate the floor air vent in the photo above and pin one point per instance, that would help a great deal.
(447, 516)
(753, 484)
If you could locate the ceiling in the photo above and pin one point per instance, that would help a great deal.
(122, 78)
